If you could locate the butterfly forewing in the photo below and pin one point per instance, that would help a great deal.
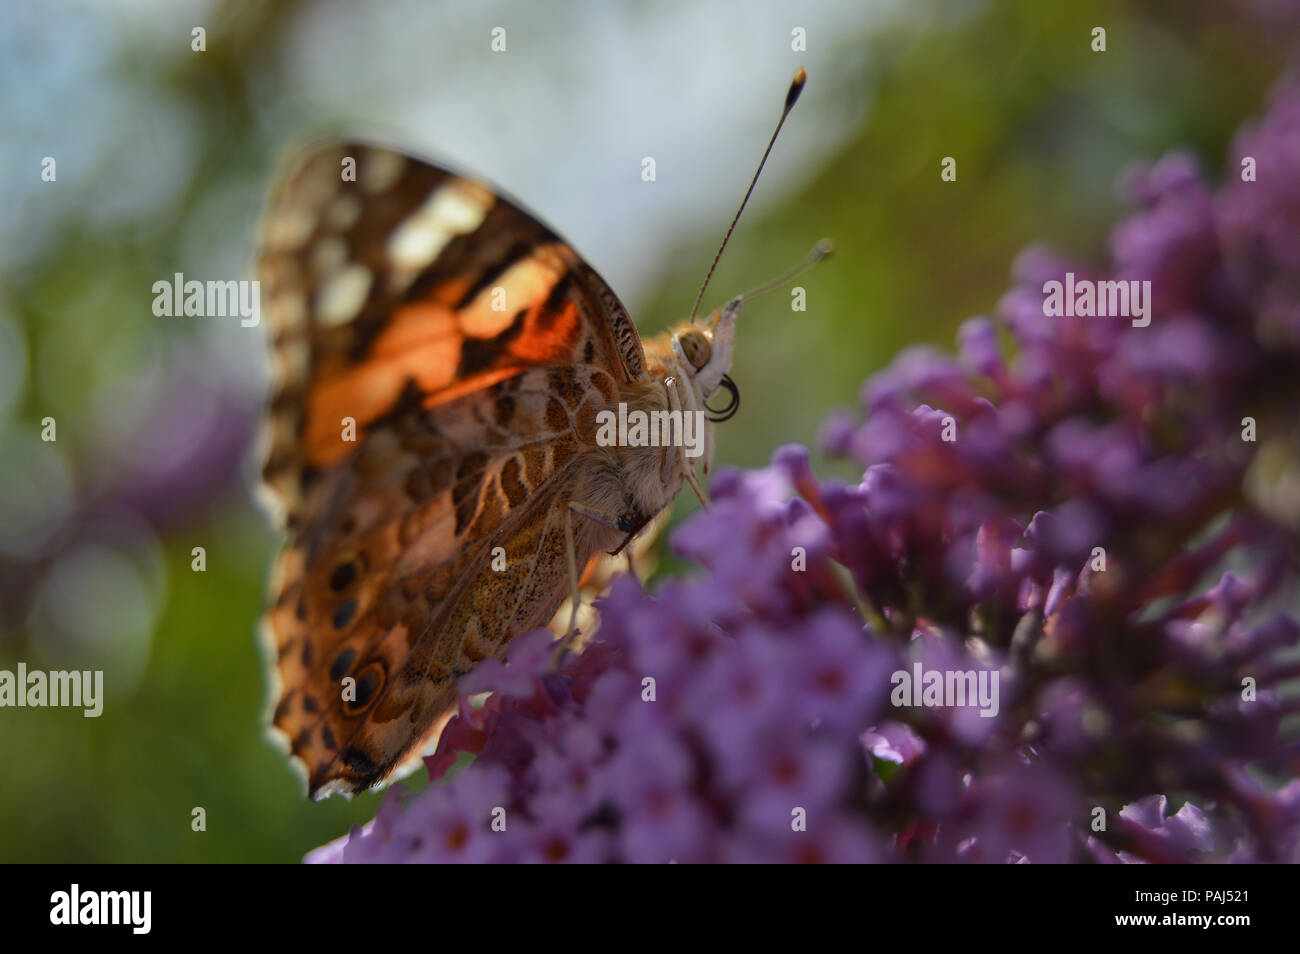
(438, 360)
(380, 270)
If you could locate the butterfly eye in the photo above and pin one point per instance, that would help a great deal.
(696, 347)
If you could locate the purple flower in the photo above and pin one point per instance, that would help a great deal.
(1066, 552)
(1018, 812)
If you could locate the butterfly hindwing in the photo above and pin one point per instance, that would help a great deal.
(391, 581)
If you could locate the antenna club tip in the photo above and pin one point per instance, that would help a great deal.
(823, 248)
(796, 87)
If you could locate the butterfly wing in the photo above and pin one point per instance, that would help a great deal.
(389, 283)
(415, 427)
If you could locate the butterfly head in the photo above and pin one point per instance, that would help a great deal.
(703, 349)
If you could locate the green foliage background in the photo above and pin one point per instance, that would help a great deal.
(1041, 127)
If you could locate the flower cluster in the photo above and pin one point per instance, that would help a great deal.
(1098, 516)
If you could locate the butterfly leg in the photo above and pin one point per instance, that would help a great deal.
(613, 522)
(686, 464)
(692, 406)
(575, 595)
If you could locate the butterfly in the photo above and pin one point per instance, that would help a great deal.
(440, 363)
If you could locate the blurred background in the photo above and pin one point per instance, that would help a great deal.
(163, 156)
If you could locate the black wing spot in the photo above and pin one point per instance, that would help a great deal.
(476, 354)
(368, 684)
(503, 410)
(343, 615)
(342, 576)
(342, 663)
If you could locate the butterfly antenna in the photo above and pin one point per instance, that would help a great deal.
(820, 251)
(791, 97)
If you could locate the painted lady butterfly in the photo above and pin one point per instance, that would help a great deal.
(439, 360)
